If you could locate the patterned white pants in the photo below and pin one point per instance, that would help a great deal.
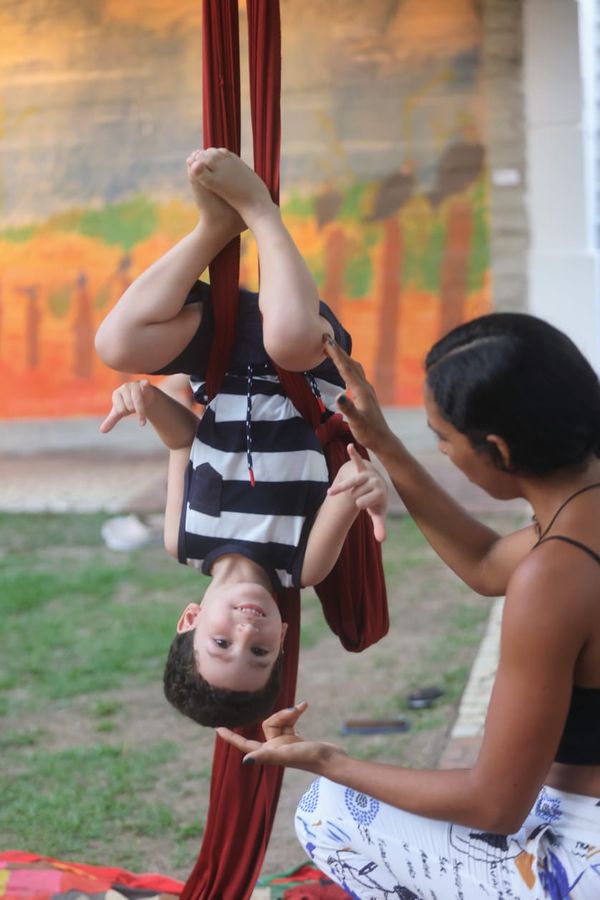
(375, 851)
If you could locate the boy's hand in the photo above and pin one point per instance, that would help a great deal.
(133, 397)
(367, 488)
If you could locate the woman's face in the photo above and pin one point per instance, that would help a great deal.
(476, 465)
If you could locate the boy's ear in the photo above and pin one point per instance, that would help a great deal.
(284, 628)
(187, 620)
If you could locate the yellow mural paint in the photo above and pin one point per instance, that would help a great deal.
(384, 178)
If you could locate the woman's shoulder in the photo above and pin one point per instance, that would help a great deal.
(554, 579)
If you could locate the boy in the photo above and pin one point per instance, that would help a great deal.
(247, 490)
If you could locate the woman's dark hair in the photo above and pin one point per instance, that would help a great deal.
(193, 696)
(518, 377)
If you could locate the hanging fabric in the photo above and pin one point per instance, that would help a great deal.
(221, 127)
(243, 799)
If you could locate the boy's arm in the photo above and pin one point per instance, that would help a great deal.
(178, 462)
(174, 423)
(357, 485)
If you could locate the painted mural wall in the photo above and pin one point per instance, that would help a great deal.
(383, 176)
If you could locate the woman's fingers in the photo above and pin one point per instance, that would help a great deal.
(283, 721)
(349, 369)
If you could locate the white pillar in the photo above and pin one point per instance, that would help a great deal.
(563, 255)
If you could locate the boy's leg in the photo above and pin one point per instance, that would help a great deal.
(149, 326)
(292, 327)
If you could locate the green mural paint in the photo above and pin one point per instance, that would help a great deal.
(125, 224)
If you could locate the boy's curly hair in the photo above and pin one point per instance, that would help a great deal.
(193, 696)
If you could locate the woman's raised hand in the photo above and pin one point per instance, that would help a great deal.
(282, 746)
(359, 402)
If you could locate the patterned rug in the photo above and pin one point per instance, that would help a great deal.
(27, 876)
(303, 883)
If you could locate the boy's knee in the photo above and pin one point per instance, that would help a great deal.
(111, 348)
(290, 349)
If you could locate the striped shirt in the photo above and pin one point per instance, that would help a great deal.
(223, 513)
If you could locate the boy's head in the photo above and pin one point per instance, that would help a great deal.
(224, 665)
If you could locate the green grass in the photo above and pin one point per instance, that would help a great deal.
(77, 618)
(83, 625)
(67, 802)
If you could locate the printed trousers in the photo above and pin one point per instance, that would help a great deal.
(378, 852)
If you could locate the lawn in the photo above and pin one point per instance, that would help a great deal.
(97, 767)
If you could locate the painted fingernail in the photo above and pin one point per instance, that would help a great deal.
(342, 399)
(248, 761)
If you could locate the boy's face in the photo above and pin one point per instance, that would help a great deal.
(238, 635)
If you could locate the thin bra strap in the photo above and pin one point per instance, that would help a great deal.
(568, 540)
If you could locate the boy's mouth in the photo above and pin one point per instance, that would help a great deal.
(250, 609)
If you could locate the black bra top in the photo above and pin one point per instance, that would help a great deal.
(568, 540)
(580, 741)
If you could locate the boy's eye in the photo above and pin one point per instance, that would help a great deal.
(222, 643)
(259, 651)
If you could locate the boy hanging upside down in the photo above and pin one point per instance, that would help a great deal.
(247, 498)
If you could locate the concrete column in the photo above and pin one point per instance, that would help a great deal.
(563, 261)
(503, 80)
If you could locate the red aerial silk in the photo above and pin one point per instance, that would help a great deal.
(243, 799)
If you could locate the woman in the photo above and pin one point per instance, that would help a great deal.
(517, 408)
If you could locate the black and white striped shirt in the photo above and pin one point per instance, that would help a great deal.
(252, 419)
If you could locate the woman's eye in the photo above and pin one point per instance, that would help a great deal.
(259, 651)
(222, 643)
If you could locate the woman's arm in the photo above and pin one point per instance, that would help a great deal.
(480, 556)
(542, 634)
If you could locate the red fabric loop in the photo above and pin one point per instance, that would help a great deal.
(243, 799)
(221, 127)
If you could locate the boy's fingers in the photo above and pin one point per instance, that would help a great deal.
(138, 402)
(356, 458)
(378, 520)
(111, 420)
(348, 484)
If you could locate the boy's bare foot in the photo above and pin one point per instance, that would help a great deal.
(213, 208)
(227, 175)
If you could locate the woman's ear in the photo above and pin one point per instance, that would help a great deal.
(187, 620)
(502, 448)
